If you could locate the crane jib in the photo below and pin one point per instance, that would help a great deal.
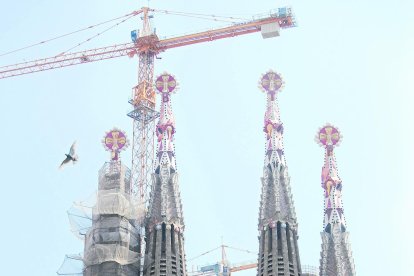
(282, 19)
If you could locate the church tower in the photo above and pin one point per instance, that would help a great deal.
(112, 242)
(336, 254)
(278, 247)
(164, 252)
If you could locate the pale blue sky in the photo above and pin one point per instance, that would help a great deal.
(347, 62)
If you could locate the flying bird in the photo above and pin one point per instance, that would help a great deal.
(71, 156)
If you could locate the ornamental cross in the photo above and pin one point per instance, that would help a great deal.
(330, 137)
(115, 141)
(273, 82)
(165, 84)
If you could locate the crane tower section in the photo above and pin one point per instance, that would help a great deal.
(143, 113)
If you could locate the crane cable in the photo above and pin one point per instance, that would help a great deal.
(226, 246)
(200, 14)
(212, 17)
(242, 250)
(98, 34)
(132, 14)
(196, 257)
(70, 33)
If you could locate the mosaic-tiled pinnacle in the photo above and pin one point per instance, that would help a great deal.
(336, 254)
(278, 247)
(164, 254)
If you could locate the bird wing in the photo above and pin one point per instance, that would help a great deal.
(64, 162)
(72, 151)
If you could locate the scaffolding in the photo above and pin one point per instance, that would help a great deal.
(112, 245)
(308, 270)
(109, 225)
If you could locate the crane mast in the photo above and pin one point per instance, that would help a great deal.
(143, 114)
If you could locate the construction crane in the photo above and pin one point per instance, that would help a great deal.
(223, 268)
(149, 43)
(146, 45)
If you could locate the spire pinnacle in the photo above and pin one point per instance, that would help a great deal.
(165, 85)
(336, 256)
(271, 83)
(164, 252)
(278, 247)
(330, 137)
(115, 141)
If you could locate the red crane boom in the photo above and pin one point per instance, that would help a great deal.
(243, 267)
(151, 43)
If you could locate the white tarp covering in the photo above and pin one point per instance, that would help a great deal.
(109, 223)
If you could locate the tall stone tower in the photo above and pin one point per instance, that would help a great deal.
(164, 253)
(278, 247)
(336, 254)
(112, 243)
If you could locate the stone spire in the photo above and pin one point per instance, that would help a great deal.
(164, 254)
(278, 248)
(336, 254)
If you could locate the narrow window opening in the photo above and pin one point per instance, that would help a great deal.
(163, 239)
(279, 239)
(179, 243)
(269, 246)
(154, 243)
(147, 242)
(289, 243)
(262, 242)
(172, 239)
